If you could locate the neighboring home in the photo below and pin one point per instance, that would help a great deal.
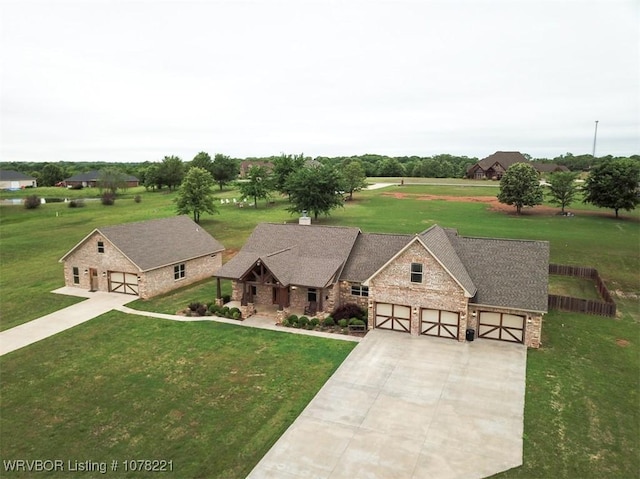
(144, 258)
(246, 165)
(493, 166)
(14, 180)
(91, 179)
(435, 283)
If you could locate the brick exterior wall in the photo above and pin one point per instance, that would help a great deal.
(150, 284)
(438, 290)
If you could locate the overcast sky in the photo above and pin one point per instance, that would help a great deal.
(137, 80)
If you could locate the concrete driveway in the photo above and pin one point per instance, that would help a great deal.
(409, 407)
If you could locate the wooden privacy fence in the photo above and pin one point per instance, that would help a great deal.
(606, 307)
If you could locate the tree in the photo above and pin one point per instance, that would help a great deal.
(614, 184)
(171, 171)
(390, 167)
(52, 174)
(520, 186)
(283, 166)
(202, 160)
(151, 178)
(111, 179)
(258, 184)
(354, 177)
(195, 194)
(224, 169)
(562, 188)
(316, 190)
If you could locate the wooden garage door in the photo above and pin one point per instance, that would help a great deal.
(120, 282)
(444, 324)
(393, 316)
(501, 326)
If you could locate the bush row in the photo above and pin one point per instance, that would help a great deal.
(197, 308)
(329, 322)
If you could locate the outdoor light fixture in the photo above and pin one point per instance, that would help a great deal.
(104, 274)
(86, 271)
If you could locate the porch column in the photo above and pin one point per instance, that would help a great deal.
(218, 289)
(320, 299)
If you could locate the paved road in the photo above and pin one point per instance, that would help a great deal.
(411, 408)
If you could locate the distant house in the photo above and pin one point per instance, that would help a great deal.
(493, 166)
(144, 258)
(246, 165)
(435, 283)
(14, 180)
(92, 178)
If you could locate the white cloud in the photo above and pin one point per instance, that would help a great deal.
(135, 81)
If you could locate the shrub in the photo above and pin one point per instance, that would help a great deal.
(77, 187)
(108, 198)
(314, 322)
(76, 203)
(303, 321)
(137, 198)
(286, 322)
(194, 306)
(356, 322)
(236, 314)
(233, 311)
(328, 322)
(214, 308)
(293, 318)
(343, 323)
(226, 298)
(201, 310)
(31, 202)
(348, 311)
(225, 310)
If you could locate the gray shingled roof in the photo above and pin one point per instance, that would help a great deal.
(296, 254)
(370, 253)
(505, 158)
(508, 273)
(156, 243)
(11, 175)
(437, 240)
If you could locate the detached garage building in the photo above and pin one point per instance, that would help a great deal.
(435, 283)
(144, 258)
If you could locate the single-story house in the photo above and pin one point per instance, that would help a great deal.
(92, 178)
(493, 166)
(14, 180)
(246, 165)
(144, 258)
(435, 283)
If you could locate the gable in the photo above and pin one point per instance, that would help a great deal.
(397, 272)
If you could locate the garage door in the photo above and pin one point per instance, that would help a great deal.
(501, 326)
(393, 316)
(444, 324)
(120, 282)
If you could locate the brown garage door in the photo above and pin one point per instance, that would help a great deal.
(120, 282)
(435, 322)
(396, 317)
(501, 326)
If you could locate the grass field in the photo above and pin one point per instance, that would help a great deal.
(581, 414)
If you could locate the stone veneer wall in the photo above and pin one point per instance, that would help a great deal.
(438, 289)
(346, 296)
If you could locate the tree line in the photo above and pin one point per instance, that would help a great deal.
(168, 171)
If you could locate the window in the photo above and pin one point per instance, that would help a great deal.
(416, 272)
(100, 246)
(178, 271)
(359, 290)
(76, 275)
(312, 295)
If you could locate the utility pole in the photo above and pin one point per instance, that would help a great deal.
(595, 135)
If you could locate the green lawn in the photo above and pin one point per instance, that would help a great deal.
(581, 415)
(210, 397)
(575, 287)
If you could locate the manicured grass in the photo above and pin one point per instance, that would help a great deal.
(581, 414)
(581, 404)
(210, 397)
(574, 287)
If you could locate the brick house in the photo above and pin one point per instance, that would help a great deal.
(435, 283)
(144, 259)
(14, 180)
(493, 166)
